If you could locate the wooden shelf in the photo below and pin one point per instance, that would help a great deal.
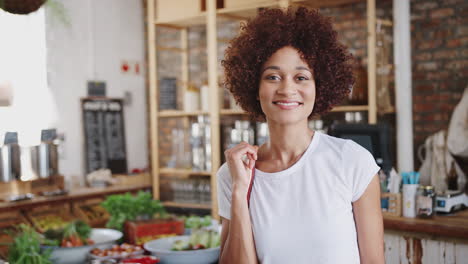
(232, 112)
(160, 48)
(199, 19)
(187, 205)
(179, 113)
(350, 108)
(244, 12)
(73, 195)
(183, 171)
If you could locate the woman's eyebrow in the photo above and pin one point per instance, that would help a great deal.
(303, 68)
(278, 68)
(271, 68)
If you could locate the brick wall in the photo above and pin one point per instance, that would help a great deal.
(439, 40)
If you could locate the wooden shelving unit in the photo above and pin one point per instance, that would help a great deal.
(187, 205)
(179, 19)
(171, 171)
(178, 113)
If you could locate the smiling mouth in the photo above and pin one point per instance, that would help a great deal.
(287, 103)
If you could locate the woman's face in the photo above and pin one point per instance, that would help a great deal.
(287, 88)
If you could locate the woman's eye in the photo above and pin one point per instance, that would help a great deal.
(302, 78)
(272, 77)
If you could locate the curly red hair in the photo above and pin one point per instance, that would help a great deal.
(305, 30)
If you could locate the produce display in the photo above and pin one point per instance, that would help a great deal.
(45, 222)
(94, 212)
(74, 234)
(200, 239)
(194, 221)
(123, 251)
(124, 207)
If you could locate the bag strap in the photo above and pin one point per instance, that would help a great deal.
(250, 187)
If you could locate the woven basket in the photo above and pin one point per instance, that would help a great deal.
(21, 7)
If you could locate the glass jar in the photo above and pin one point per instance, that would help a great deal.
(425, 201)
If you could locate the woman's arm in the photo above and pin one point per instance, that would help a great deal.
(369, 224)
(237, 242)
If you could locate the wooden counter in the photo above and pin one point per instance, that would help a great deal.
(450, 226)
(84, 193)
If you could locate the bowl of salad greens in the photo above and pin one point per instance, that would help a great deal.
(201, 247)
(194, 222)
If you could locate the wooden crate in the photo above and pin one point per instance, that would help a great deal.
(140, 232)
(49, 216)
(394, 204)
(8, 222)
(91, 212)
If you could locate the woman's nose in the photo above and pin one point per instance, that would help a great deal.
(287, 87)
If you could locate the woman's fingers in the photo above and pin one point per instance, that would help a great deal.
(241, 149)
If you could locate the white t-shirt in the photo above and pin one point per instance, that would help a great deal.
(304, 214)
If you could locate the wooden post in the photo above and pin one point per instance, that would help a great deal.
(153, 98)
(371, 62)
(214, 103)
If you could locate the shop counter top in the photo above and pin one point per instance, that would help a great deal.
(451, 225)
(77, 194)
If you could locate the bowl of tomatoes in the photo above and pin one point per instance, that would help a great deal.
(74, 249)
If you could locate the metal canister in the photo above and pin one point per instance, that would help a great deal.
(425, 201)
(44, 159)
(10, 162)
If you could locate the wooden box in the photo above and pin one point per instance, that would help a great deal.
(391, 204)
(51, 216)
(91, 212)
(140, 232)
(8, 222)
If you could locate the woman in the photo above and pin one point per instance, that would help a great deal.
(314, 198)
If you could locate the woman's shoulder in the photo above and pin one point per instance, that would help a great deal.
(331, 143)
(347, 148)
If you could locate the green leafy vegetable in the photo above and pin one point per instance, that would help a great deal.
(194, 221)
(124, 207)
(26, 248)
(200, 239)
(77, 231)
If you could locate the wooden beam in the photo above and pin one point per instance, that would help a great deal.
(153, 99)
(371, 62)
(214, 102)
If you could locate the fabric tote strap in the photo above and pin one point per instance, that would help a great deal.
(250, 187)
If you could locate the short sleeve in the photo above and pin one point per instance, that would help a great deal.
(359, 168)
(224, 191)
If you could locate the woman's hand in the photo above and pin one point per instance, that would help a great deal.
(241, 160)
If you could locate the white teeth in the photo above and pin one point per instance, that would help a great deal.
(287, 104)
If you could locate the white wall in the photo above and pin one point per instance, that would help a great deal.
(100, 36)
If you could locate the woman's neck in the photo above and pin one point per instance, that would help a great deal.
(286, 144)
